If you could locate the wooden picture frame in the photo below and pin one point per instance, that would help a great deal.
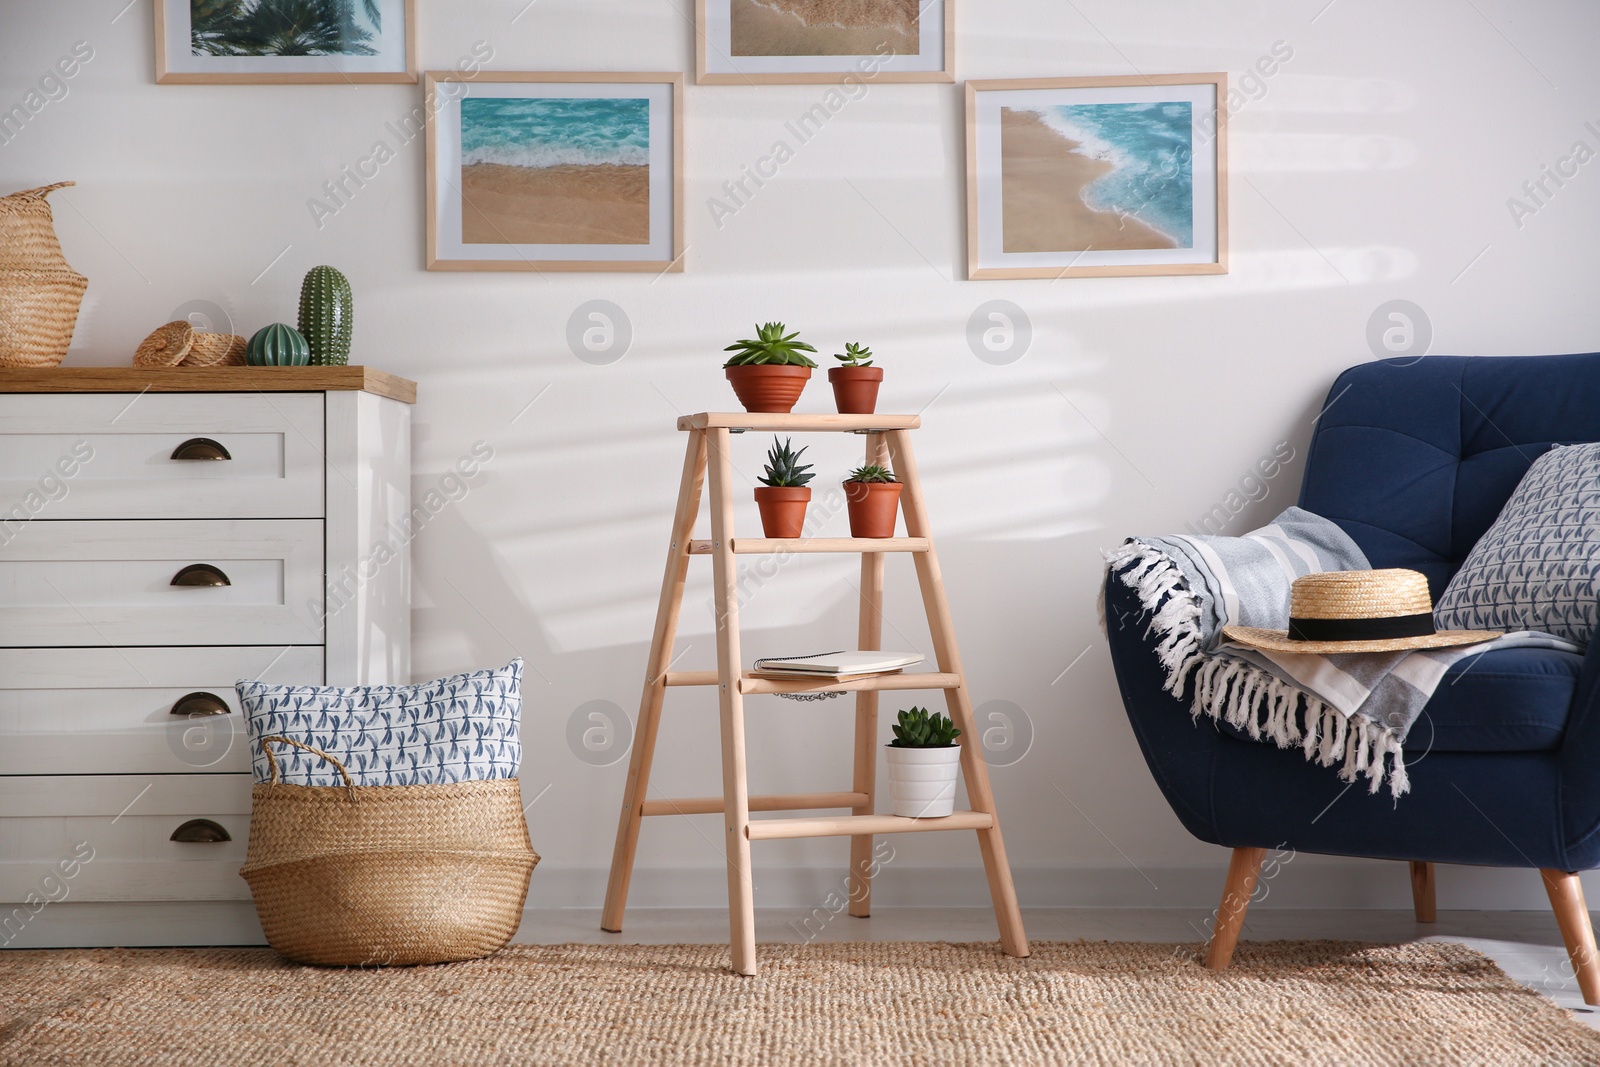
(184, 68)
(1123, 182)
(716, 65)
(452, 215)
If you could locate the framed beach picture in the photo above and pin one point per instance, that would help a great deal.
(285, 41)
(744, 42)
(1097, 176)
(554, 172)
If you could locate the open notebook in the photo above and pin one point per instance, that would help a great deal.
(838, 664)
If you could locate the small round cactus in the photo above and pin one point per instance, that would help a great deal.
(326, 312)
(278, 345)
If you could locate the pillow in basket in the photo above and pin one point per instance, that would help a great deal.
(456, 729)
(1537, 567)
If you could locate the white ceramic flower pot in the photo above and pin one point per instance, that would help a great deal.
(922, 781)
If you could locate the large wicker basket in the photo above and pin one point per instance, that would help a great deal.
(39, 293)
(381, 875)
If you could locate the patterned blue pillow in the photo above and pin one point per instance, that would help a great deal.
(1536, 567)
(457, 729)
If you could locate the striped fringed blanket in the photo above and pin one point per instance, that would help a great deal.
(1352, 709)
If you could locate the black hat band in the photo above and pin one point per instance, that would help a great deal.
(1381, 629)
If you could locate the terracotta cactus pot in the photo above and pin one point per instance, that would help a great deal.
(770, 388)
(855, 389)
(873, 507)
(783, 509)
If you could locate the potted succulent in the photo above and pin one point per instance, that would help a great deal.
(855, 384)
(872, 495)
(782, 495)
(923, 761)
(769, 370)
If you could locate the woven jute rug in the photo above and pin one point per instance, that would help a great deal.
(856, 1003)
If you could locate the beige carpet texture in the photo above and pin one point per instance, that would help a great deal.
(1320, 1002)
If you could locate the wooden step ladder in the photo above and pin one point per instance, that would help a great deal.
(888, 444)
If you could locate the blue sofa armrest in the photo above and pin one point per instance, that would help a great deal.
(1579, 760)
(1181, 753)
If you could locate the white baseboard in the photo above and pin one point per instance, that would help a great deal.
(1305, 882)
(123, 925)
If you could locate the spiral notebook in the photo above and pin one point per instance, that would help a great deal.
(839, 664)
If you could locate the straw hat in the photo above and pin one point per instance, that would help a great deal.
(1357, 611)
(166, 346)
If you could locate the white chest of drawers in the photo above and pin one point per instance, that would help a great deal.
(162, 535)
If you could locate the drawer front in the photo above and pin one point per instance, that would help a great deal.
(117, 717)
(109, 837)
(109, 583)
(110, 456)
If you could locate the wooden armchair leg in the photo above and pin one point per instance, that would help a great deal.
(1577, 932)
(1243, 870)
(1423, 898)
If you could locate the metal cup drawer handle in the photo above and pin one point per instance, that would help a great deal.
(201, 574)
(201, 832)
(195, 705)
(201, 448)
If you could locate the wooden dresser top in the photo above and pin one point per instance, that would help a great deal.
(207, 380)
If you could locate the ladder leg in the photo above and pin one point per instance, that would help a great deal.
(870, 636)
(644, 744)
(735, 787)
(1013, 939)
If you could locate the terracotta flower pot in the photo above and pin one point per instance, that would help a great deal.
(873, 507)
(855, 389)
(771, 388)
(783, 509)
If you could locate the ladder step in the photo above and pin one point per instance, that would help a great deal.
(745, 420)
(855, 825)
(791, 802)
(751, 684)
(778, 545)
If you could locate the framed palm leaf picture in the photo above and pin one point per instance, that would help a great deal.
(285, 41)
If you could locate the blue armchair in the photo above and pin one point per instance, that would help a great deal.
(1413, 459)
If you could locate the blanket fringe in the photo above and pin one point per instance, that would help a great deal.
(1243, 695)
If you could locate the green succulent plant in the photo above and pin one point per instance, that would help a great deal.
(770, 347)
(872, 473)
(918, 729)
(784, 468)
(856, 355)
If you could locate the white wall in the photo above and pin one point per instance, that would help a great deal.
(1375, 165)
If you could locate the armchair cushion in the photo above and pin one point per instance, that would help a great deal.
(1506, 700)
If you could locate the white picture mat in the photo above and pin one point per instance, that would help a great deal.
(447, 170)
(721, 60)
(991, 220)
(390, 43)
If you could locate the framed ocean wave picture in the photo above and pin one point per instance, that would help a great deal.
(554, 172)
(285, 41)
(1097, 176)
(748, 42)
